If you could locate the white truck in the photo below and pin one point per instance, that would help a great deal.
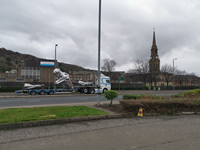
(64, 79)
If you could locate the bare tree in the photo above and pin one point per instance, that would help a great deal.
(141, 67)
(108, 66)
(192, 78)
(167, 71)
(181, 77)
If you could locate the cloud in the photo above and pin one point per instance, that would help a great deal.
(35, 27)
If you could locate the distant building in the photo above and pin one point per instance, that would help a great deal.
(40, 70)
(154, 62)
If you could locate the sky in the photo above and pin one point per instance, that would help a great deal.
(35, 26)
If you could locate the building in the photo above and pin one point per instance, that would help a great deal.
(85, 76)
(40, 70)
(154, 62)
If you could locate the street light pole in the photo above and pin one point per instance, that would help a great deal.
(99, 43)
(55, 66)
(173, 73)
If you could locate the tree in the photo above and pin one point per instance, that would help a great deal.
(141, 67)
(108, 66)
(181, 77)
(192, 78)
(8, 59)
(167, 71)
(110, 95)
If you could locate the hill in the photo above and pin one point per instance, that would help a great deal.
(10, 60)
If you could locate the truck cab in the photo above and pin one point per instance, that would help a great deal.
(104, 83)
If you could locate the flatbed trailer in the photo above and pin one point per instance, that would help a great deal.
(82, 89)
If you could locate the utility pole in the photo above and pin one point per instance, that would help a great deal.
(173, 73)
(55, 66)
(99, 44)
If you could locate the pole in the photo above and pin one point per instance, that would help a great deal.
(119, 84)
(123, 83)
(55, 66)
(99, 43)
(173, 74)
(49, 81)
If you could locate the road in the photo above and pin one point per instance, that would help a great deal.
(149, 133)
(45, 101)
(10, 100)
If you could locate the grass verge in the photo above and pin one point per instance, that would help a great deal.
(14, 115)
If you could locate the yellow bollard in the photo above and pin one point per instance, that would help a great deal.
(140, 113)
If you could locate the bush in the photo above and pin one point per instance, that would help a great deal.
(141, 96)
(8, 59)
(127, 88)
(179, 95)
(191, 93)
(110, 95)
(131, 96)
(197, 91)
(164, 106)
(9, 89)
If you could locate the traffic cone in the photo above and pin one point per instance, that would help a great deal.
(140, 113)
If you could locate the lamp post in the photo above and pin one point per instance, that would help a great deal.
(55, 66)
(55, 56)
(173, 73)
(99, 43)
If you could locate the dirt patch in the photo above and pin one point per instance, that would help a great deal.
(117, 108)
(48, 116)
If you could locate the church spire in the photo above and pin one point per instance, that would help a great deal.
(154, 62)
(154, 38)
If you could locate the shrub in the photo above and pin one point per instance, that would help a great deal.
(141, 96)
(191, 93)
(130, 96)
(8, 59)
(197, 91)
(9, 89)
(110, 95)
(179, 95)
(165, 106)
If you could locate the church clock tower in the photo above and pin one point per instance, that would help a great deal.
(154, 62)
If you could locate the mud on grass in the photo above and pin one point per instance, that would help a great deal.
(117, 108)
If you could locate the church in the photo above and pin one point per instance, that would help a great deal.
(154, 62)
(154, 76)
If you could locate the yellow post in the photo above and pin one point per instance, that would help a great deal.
(140, 113)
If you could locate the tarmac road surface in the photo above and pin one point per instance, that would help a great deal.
(8, 100)
(148, 133)
(49, 101)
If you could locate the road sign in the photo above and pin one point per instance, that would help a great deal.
(121, 79)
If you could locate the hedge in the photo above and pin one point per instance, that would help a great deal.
(127, 88)
(142, 96)
(9, 89)
(189, 94)
(164, 106)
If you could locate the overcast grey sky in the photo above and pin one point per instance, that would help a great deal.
(35, 26)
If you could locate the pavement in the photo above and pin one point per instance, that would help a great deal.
(149, 133)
